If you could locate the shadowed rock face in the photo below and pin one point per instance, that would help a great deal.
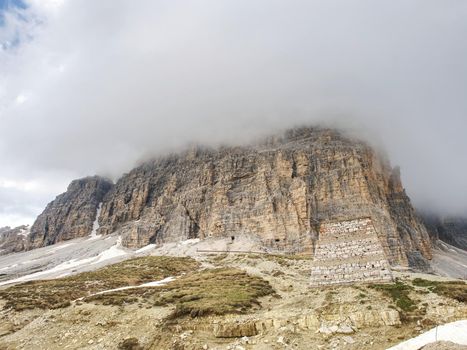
(452, 230)
(71, 214)
(279, 190)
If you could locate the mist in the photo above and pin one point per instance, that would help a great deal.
(93, 87)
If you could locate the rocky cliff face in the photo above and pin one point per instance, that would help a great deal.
(71, 214)
(279, 191)
(13, 240)
(452, 230)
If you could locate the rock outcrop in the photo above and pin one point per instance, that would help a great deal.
(71, 214)
(452, 230)
(13, 240)
(279, 191)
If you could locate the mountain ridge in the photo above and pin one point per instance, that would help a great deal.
(279, 190)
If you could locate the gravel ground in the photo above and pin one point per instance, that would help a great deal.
(450, 261)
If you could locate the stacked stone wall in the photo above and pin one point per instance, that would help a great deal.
(349, 252)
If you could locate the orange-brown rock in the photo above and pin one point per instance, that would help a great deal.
(279, 190)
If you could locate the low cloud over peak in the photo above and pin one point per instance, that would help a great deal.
(92, 87)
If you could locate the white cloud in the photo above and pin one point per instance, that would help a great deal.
(20, 99)
(111, 81)
(20, 185)
(15, 220)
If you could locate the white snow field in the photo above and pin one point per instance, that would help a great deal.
(61, 259)
(455, 332)
(95, 224)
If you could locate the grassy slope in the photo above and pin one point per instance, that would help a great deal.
(56, 293)
(196, 293)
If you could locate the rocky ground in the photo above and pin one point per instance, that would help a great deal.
(449, 261)
(221, 300)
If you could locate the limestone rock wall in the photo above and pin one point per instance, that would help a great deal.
(279, 190)
(71, 214)
(13, 240)
(348, 252)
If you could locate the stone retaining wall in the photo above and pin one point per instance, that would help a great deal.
(349, 252)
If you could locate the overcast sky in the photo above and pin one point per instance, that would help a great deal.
(94, 86)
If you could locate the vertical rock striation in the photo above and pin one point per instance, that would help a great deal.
(279, 190)
(71, 214)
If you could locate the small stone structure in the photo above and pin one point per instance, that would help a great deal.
(349, 252)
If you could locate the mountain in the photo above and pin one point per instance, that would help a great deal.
(71, 214)
(219, 281)
(13, 240)
(278, 191)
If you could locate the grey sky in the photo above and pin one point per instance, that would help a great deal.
(93, 86)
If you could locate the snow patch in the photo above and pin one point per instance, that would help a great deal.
(67, 266)
(95, 224)
(8, 267)
(454, 332)
(60, 267)
(54, 249)
(113, 252)
(144, 285)
(189, 241)
(146, 248)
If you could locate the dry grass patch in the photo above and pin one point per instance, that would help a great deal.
(399, 293)
(207, 292)
(452, 289)
(285, 260)
(57, 293)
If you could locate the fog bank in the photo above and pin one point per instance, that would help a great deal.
(95, 86)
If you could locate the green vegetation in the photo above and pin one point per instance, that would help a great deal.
(58, 293)
(452, 289)
(420, 282)
(198, 293)
(213, 291)
(399, 292)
